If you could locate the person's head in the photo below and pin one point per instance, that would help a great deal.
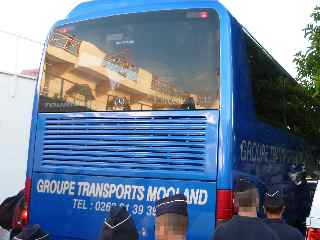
(246, 198)
(33, 232)
(273, 203)
(119, 226)
(171, 218)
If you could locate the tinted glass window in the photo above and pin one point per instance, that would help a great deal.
(279, 100)
(151, 61)
(267, 85)
(295, 114)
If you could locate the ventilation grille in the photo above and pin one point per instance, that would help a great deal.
(155, 143)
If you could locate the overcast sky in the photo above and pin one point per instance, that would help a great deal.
(276, 24)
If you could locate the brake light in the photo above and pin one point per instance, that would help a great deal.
(63, 30)
(24, 217)
(201, 14)
(224, 206)
(25, 212)
(313, 234)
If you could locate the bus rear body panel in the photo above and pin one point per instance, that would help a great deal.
(135, 159)
(75, 206)
(114, 123)
(172, 145)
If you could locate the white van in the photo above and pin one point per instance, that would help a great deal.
(313, 221)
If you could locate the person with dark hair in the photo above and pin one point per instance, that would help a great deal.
(8, 210)
(119, 225)
(171, 218)
(246, 225)
(11, 214)
(33, 232)
(274, 207)
(188, 103)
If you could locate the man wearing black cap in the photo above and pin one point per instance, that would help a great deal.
(171, 218)
(32, 233)
(274, 208)
(246, 225)
(119, 226)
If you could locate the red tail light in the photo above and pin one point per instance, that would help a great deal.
(313, 234)
(25, 212)
(24, 217)
(224, 205)
(204, 14)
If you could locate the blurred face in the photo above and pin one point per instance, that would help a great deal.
(168, 227)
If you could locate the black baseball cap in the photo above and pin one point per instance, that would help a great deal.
(273, 198)
(33, 232)
(176, 204)
(119, 225)
(243, 184)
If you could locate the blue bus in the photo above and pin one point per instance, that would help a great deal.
(140, 99)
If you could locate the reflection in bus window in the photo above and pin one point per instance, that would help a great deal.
(167, 60)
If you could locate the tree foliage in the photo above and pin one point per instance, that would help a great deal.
(308, 62)
(308, 66)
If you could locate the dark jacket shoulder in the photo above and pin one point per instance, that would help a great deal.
(245, 228)
(283, 230)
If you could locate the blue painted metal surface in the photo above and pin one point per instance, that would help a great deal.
(248, 129)
(99, 8)
(173, 144)
(33, 128)
(261, 152)
(77, 211)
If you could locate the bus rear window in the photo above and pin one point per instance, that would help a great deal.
(166, 60)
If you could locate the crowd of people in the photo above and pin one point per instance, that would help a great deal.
(171, 221)
(247, 225)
